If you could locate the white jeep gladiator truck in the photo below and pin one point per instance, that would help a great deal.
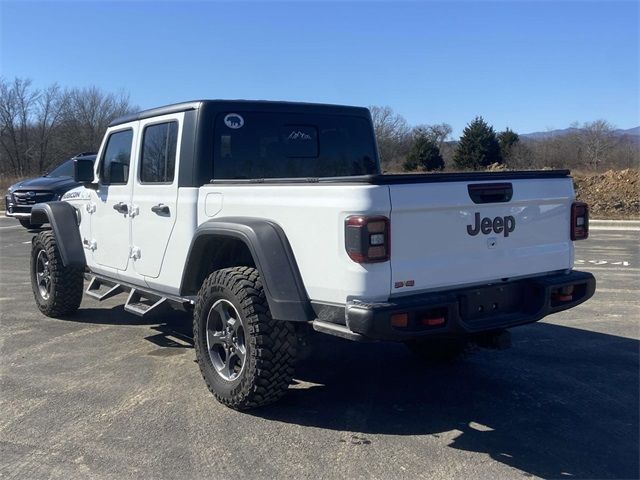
(269, 218)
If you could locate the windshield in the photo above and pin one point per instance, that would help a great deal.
(65, 169)
(253, 145)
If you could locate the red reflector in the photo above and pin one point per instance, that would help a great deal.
(375, 253)
(567, 290)
(377, 226)
(399, 320)
(433, 321)
(562, 298)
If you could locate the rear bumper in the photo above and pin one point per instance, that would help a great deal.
(471, 310)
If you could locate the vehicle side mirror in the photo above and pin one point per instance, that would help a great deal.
(83, 172)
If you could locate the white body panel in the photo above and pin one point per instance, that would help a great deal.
(150, 231)
(430, 244)
(312, 216)
(111, 229)
(429, 241)
(178, 245)
(80, 198)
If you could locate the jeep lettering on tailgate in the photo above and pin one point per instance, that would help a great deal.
(504, 225)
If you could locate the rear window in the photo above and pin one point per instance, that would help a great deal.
(252, 145)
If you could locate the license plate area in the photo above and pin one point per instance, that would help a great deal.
(491, 301)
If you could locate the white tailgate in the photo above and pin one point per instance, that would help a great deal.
(430, 243)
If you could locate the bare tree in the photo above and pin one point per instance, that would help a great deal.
(40, 127)
(592, 145)
(598, 140)
(17, 101)
(392, 133)
(564, 150)
(438, 133)
(90, 112)
(51, 106)
(521, 157)
(626, 153)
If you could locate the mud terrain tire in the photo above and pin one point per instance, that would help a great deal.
(56, 288)
(246, 357)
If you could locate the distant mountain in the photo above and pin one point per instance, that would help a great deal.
(635, 131)
(632, 132)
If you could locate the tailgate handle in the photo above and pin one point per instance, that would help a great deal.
(490, 192)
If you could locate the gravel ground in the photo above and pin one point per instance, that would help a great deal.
(108, 395)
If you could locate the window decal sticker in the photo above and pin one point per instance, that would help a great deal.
(298, 135)
(300, 141)
(233, 120)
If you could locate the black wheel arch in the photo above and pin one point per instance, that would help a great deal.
(62, 216)
(270, 253)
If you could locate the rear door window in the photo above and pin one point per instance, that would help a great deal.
(158, 160)
(254, 145)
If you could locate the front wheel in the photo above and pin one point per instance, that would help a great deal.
(57, 289)
(246, 358)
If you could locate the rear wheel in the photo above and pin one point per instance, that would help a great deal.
(57, 289)
(438, 350)
(246, 358)
(26, 223)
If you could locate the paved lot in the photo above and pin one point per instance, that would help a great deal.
(106, 395)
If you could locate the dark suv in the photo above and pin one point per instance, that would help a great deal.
(51, 186)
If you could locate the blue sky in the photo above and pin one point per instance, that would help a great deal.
(526, 65)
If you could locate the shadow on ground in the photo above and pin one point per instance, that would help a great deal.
(172, 326)
(561, 403)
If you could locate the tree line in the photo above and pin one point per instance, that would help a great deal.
(39, 127)
(590, 146)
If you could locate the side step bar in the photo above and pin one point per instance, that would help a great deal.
(102, 291)
(143, 305)
(141, 302)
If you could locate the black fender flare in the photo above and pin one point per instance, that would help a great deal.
(62, 217)
(272, 255)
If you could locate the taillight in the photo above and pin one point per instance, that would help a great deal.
(367, 239)
(579, 221)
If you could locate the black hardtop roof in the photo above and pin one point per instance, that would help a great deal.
(243, 105)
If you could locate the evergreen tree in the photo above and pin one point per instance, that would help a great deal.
(424, 154)
(478, 146)
(507, 140)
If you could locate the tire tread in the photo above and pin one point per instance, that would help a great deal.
(67, 282)
(273, 342)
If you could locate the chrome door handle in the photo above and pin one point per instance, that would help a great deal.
(160, 209)
(121, 207)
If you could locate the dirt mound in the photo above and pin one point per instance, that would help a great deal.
(612, 194)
